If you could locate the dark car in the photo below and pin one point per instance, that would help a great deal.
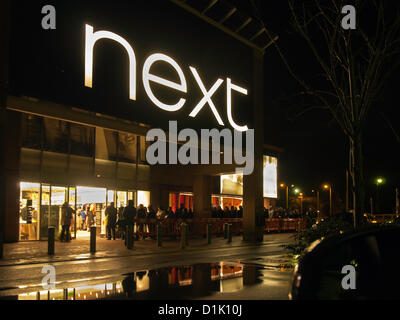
(350, 266)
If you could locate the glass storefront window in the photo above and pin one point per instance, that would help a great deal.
(110, 196)
(143, 197)
(72, 203)
(31, 131)
(47, 201)
(106, 144)
(81, 140)
(132, 196)
(122, 200)
(58, 197)
(127, 147)
(143, 147)
(94, 199)
(56, 133)
(29, 220)
(44, 212)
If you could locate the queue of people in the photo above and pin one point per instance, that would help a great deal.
(233, 212)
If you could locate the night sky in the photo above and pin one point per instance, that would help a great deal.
(316, 150)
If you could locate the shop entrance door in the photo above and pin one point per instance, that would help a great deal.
(92, 201)
(58, 195)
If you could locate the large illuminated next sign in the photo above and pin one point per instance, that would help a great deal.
(92, 37)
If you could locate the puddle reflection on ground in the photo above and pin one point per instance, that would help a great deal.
(178, 282)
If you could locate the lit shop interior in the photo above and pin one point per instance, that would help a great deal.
(231, 189)
(47, 201)
(86, 166)
(232, 186)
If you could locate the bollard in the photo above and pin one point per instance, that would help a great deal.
(65, 294)
(129, 236)
(159, 235)
(184, 241)
(225, 230)
(209, 233)
(92, 239)
(50, 240)
(229, 232)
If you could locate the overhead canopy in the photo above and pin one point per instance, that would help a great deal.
(228, 18)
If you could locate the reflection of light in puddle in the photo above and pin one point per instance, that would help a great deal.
(230, 276)
(231, 285)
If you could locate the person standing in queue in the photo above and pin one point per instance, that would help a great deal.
(142, 213)
(66, 219)
(129, 217)
(121, 223)
(89, 217)
(151, 214)
(111, 221)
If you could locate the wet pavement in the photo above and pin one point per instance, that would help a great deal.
(219, 271)
(221, 280)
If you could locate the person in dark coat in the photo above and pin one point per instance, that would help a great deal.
(240, 212)
(129, 215)
(66, 219)
(121, 223)
(111, 220)
(170, 214)
(151, 214)
(140, 227)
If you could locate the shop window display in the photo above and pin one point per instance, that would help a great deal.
(29, 210)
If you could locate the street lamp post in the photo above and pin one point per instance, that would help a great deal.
(330, 198)
(379, 181)
(286, 187)
(287, 194)
(301, 204)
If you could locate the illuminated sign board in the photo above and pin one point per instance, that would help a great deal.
(270, 172)
(145, 61)
(92, 37)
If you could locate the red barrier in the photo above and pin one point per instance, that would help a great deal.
(197, 226)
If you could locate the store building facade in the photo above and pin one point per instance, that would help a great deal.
(79, 107)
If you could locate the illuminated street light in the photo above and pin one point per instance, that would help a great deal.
(301, 203)
(317, 196)
(287, 194)
(326, 187)
(379, 181)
